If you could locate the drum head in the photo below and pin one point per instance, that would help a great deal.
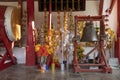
(12, 23)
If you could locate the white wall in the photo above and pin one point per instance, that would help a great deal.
(113, 16)
(106, 5)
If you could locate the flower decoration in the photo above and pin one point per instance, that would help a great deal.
(80, 51)
(41, 50)
(37, 47)
(110, 37)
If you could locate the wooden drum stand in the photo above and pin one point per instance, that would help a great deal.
(7, 59)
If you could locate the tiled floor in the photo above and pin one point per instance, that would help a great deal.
(22, 72)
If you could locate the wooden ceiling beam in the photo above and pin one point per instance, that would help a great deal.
(89, 18)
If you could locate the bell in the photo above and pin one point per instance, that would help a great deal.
(89, 33)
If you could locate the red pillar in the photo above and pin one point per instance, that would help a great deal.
(30, 49)
(117, 43)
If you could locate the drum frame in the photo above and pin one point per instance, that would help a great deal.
(8, 55)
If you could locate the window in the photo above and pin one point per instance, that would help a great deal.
(61, 5)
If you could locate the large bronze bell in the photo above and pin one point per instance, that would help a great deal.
(89, 33)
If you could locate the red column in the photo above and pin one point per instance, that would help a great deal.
(30, 49)
(117, 43)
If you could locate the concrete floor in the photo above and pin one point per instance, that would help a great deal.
(22, 72)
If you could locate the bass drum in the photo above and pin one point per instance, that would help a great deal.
(12, 22)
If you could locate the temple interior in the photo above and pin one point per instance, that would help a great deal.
(59, 40)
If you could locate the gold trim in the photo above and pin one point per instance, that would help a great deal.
(15, 23)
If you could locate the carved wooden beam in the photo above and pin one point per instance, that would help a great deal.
(89, 18)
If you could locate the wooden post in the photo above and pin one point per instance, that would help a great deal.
(101, 7)
(112, 5)
(117, 43)
(30, 48)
